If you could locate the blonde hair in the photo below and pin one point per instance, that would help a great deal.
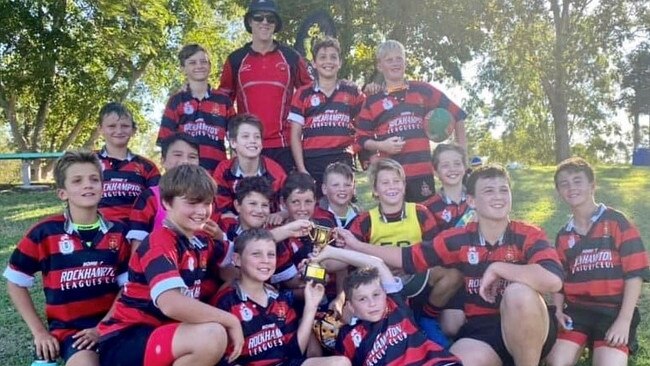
(384, 164)
(388, 46)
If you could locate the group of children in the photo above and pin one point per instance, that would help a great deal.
(206, 265)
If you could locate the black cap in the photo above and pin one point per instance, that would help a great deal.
(266, 6)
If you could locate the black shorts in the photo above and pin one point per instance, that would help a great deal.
(419, 189)
(487, 329)
(282, 156)
(590, 325)
(126, 348)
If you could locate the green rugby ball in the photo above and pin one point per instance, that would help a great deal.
(440, 124)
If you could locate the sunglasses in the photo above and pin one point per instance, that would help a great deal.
(270, 18)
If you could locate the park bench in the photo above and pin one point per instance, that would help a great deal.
(27, 158)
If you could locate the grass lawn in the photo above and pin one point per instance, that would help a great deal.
(624, 188)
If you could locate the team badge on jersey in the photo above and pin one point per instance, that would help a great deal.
(446, 215)
(472, 256)
(190, 264)
(356, 338)
(315, 101)
(572, 241)
(66, 245)
(113, 242)
(387, 104)
(187, 108)
(510, 255)
(246, 313)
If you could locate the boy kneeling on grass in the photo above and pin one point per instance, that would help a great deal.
(274, 334)
(159, 320)
(605, 264)
(383, 331)
(83, 260)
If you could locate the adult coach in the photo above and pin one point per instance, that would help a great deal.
(262, 76)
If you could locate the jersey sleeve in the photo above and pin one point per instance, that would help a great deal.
(297, 110)
(634, 257)
(365, 125)
(427, 223)
(227, 83)
(360, 227)
(160, 263)
(285, 268)
(142, 216)
(303, 77)
(170, 119)
(537, 250)
(25, 260)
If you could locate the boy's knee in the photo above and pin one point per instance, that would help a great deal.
(518, 297)
(209, 338)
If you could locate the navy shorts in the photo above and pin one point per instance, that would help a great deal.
(282, 156)
(126, 348)
(487, 329)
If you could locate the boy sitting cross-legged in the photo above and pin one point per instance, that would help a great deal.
(383, 331)
(83, 261)
(506, 265)
(274, 335)
(605, 265)
(159, 320)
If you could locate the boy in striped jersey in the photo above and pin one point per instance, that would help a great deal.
(605, 264)
(83, 261)
(323, 115)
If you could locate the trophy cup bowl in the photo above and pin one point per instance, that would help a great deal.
(320, 236)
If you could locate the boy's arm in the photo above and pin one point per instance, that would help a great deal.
(357, 260)
(534, 275)
(313, 295)
(296, 146)
(618, 333)
(47, 347)
(293, 229)
(392, 256)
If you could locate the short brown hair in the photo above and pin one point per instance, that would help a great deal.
(448, 147)
(340, 168)
(118, 108)
(485, 172)
(70, 158)
(358, 277)
(189, 181)
(249, 235)
(325, 42)
(243, 119)
(384, 164)
(190, 50)
(575, 165)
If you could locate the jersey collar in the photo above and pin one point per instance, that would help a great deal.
(570, 226)
(68, 225)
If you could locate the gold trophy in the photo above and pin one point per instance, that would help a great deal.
(320, 236)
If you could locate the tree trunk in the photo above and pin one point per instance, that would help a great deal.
(636, 131)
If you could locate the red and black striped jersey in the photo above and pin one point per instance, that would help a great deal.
(263, 85)
(446, 212)
(165, 260)
(143, 215)
(392, 341)
(228, 174)
(327, 122)
(402, 114)
(80, 279)
(270, 332)
(124, 181)
(465, 249)
(361, 225)
(204, 119)
(597, 264)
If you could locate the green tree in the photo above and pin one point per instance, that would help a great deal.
(636, 88)
(550, 66)
(61, 60)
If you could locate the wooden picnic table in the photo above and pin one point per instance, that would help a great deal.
(27, 158)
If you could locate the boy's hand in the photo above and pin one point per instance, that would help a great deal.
(211, 228)
(618, 333)
(275, 219)
(372, 88)
(489, 285)
(313, 294)
(236, 335)
(345, 239)
(320, 255)
(47, 347)
(563, 320)
(86, 339)
(299, 228)
(392, 145)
